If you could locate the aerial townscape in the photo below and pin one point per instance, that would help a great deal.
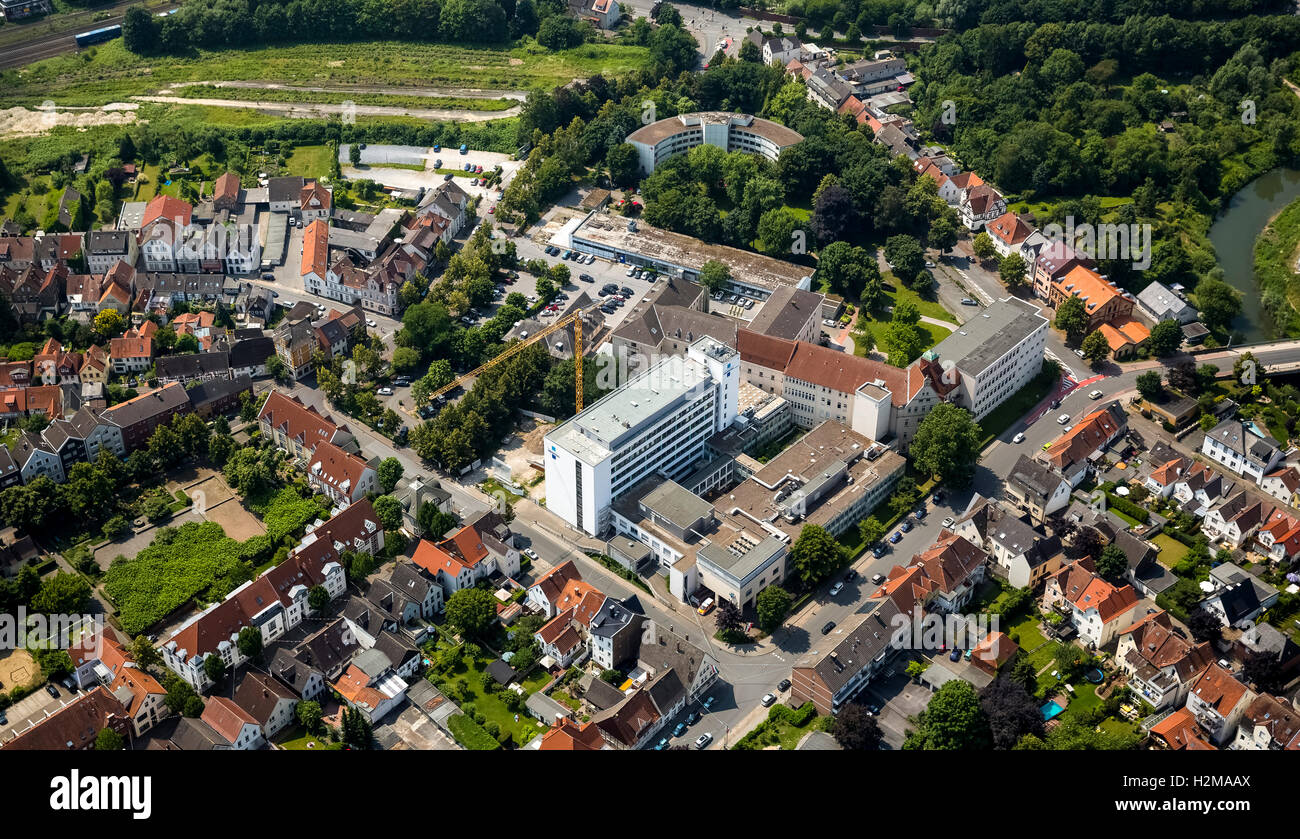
(495, 375)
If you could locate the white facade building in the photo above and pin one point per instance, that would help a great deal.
(656, 423)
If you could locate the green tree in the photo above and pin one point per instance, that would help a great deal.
(1071, 317)
(214, 668)
(1166, 338)
(1150, 385)
(432, 521)
(855, 729)
(983, 247)
(947, 444)
(953, 720)
(624, 164)
(249, 642)
(389, 473)
(815, 554)
(354, 153)
(1112, 563)
(1218, 303)
(715, 275)
(871, 530)
(61, 594)
(389, 512)
(907, 259)
(772, 604)
(108, 740)
(309, 715)
(1012, 271)
(146, 655)
(317, 597)
(1095, 347)
(470, 612)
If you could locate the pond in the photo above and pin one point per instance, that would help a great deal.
(1233, 235)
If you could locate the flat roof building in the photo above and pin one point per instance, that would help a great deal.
(730, 132)
(632, 242)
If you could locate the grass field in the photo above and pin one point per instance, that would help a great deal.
(310, 161)
(110, 73)
(1171, 550)
(206, 91)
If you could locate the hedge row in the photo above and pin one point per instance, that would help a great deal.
(1128, 508)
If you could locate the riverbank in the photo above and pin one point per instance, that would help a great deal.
(1274, 272)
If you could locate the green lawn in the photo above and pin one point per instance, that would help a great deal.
(305, 742)
(1083, 700)
(114, 74)
(491, 706)
(1171, 550)
(310, 162)
(777, 730)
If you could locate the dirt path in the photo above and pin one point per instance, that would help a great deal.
(22, 122)
(311, 111)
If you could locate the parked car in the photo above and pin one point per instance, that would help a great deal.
(627, 292)
(1019, 438)
(767, 700)
(877, 578)
(906, 527)
(3, 719)
(827, 627)
(586, 278)
(662, 744)
(878, 551)
(52, 690)
(783, 685)
(702, 742)
(370, 322)
(954, 655)
(851, 576)
(949, 521)
(708, 702)
(693, 717)
(966, 301)
(919, 513)
(630, 269)
(1063, 419)
(385, 391)
(836, 589)
(530, 553)
(680, 729)
(895, 538)
(1079, 353)
(448, 176)
(1096, 394)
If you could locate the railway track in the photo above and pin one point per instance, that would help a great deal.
(24, 54)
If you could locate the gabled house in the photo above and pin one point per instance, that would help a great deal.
(1096, 608)
(1160, 662)
(981, 205)
(861, 651)
(130, 355)
(1268, 723)
(162, 233)
(72, 727)
(1200, 487)
(1283, 485)
(1235, 520)
(1008, 231)
(238, 729)
(1238, 597)
(418, 587)
(1278, 537)
(952, 568)
(1218, 702)
(297, 428)
(1075, 452)
(1179, 732)
(343, 478)
(1242, 448)
(1037, 488)
(1021, 555)
(482, 547)
(371, 685)
(1162, 478)
(100, 660)
(270, 704)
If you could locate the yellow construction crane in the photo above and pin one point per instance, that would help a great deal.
(574, 318)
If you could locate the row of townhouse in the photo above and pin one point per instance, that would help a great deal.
(298, 337)
(277, 601)
(324, 450)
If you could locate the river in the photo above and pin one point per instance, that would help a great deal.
(1233, 235)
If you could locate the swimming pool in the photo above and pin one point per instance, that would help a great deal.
(1051, 709)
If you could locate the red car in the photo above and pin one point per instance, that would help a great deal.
(492, 209)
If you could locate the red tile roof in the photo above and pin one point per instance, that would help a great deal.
(569, 736)
(226, 718)
(315, 248)
(298, 421)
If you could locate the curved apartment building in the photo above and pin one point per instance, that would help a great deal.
(730, 132)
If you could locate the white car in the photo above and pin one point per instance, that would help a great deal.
(836, 589)
(1019, 438)
(1063, 419)
(1096, 394)
(630, 269)
(1079, 353)
(370, 322)
(530, 553)
(385, 391)
(949, 522)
